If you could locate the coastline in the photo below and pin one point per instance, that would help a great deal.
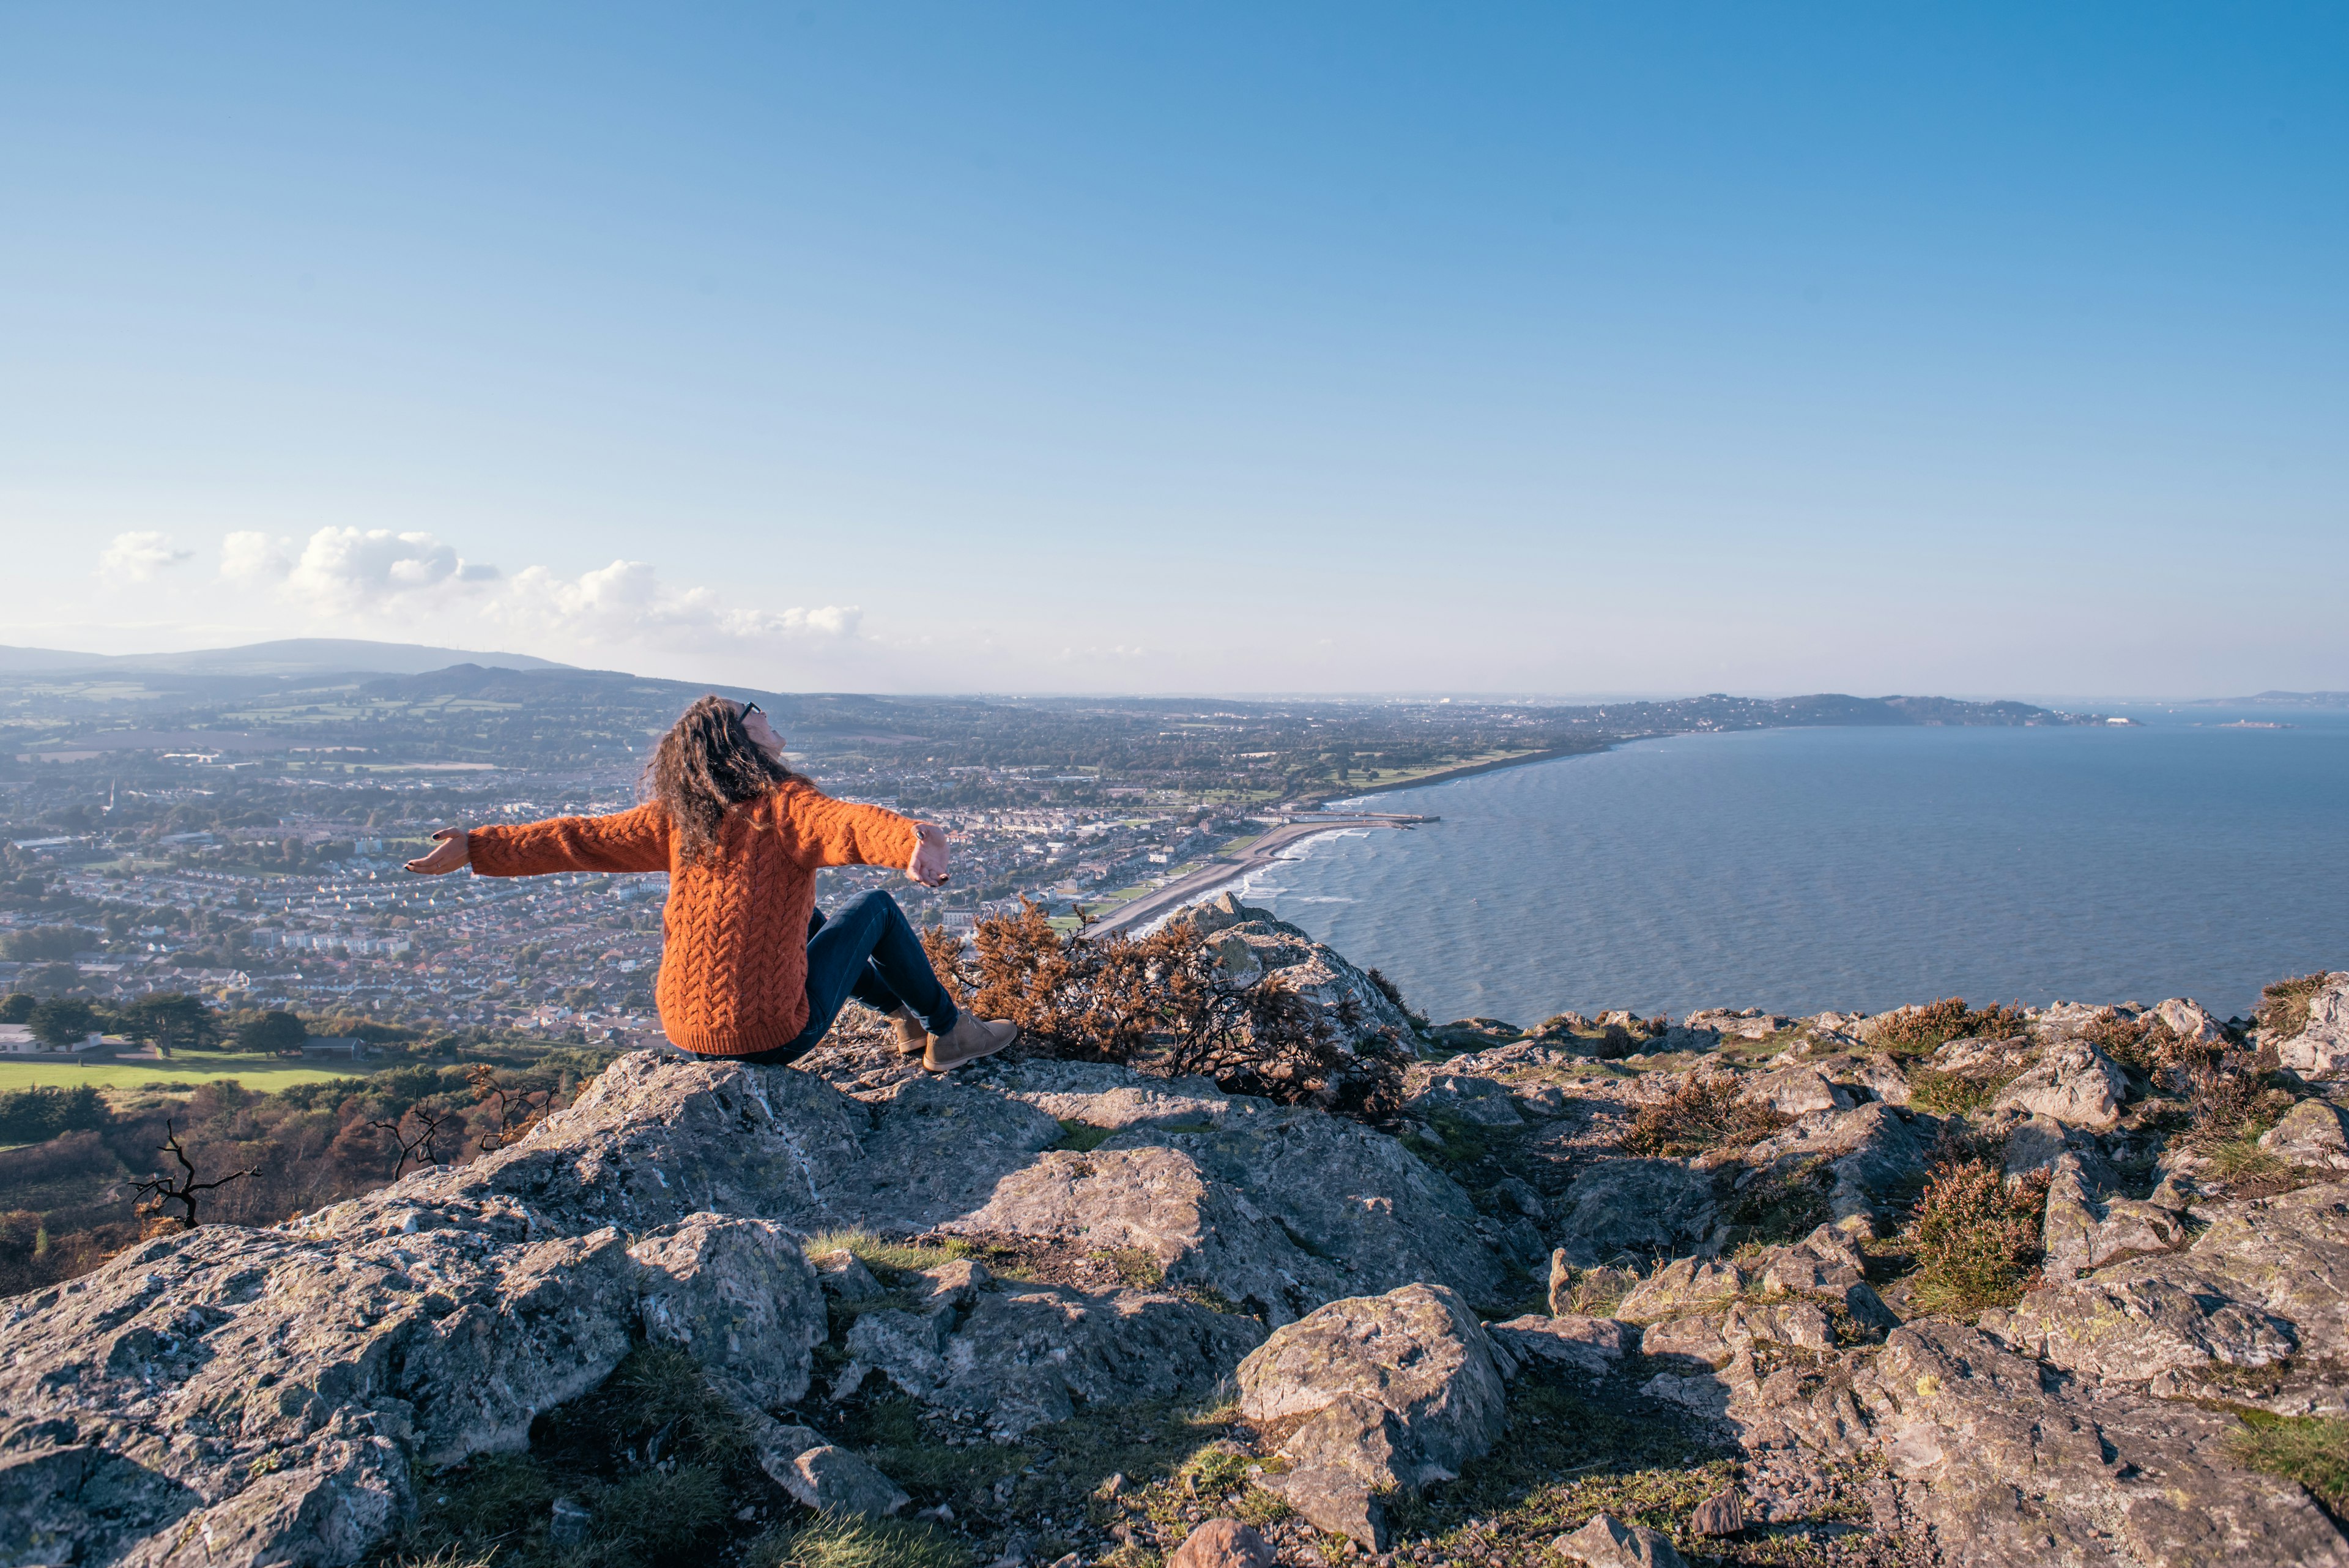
(1466, 770)
(1224, 870)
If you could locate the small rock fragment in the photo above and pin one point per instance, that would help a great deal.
(1724, 1513)
(569, 1525)
(1608, 1542)
(842, 1273)
(1223, 1543)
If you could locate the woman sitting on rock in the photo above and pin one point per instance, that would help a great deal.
(751, 970)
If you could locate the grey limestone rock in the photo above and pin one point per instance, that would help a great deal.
(2010, 1471)
(1635, 1209)
(2311, 1135)
(1314, 971)
(1463, 1097)
(1279, 1208)
(1608, 1542)
(1395, 1390)
(2269, 1277)
(2074, 1083)
(2080, 1231)
(2321, 1049)
(1592, 1345)
(1797, 1090)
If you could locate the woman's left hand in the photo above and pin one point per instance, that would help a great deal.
(928, 866)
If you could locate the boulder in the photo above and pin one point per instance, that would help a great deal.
(1594, 1346)
(2311, 1135)
(2074, 1083)
(1635, 1209)
(2321, 1048)
(1010, 1357)
(1608, 1542)
(1279, 1208)
(820, 1475)
(2009, 1469)
(1798, 1091)
(2190, 1020)
(1349, 1001)
(1394, 1391)
(1463, 1097)
(2268, 1276)
(2080, 1231)
(1223, 1543)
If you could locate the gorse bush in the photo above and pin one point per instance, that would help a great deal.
(30, 1115)
(1703, 1114)
(1933, 1025)
(1163, 1004)
(1976, 1240)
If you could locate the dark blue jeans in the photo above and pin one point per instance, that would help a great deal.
(868, 951)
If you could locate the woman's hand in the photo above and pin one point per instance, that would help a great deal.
(928, 866)
(450, 852)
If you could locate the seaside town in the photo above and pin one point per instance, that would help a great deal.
(240, 838)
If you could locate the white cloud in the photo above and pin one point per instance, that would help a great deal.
(415, 585)
(140, 557)
(627, 602)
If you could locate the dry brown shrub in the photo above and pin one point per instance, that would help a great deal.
(1938, 1023)
(2227, 1095)
(2283, 1006)
(2145, 1047)
(1161, 1004)
(1703, 1114)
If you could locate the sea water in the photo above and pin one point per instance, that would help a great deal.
(1795, 870)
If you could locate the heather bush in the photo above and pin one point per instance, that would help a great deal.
(1703, 1114)
(1928, 1028)
(1163, 1004)
(1975, 1240)
(2145, 1047)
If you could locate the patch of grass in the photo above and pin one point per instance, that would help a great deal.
(895, 1257)
(1566, 1457)
(1975, 1241)
(1082, 1138)
(2311, 1449)
(1703, 1114)
(659, 1460)
(1784, 1205)
(2283, 1006)
(1936, 1023)
(180, 1076)
(1135, 1267)
(834, 1542)
(1955, 1093)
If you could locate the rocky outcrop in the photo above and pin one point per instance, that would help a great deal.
(1250, 942)
(1375, 1394)
(1634, 1210)
(2321, 1048)
(268, 1391)
(2074, 1083)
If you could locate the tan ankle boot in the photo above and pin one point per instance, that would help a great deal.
(970, 1038)
(913, 1034)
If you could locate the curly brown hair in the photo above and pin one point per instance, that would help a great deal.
(706, 764)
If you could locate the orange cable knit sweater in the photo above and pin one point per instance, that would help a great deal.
(733, 977)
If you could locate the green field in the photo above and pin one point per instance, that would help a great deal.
(186, 1070)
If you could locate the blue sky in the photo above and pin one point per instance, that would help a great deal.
(1351, 348)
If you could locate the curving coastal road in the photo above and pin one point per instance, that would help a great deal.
(1224, 868)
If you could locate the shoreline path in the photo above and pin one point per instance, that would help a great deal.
(1225, 868)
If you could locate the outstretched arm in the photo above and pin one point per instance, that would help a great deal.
(627, 841)
(841, 833)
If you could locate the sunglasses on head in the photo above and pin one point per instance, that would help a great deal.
(751, 708)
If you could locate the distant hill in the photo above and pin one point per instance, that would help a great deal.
(290, 656)
(2280, 700)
